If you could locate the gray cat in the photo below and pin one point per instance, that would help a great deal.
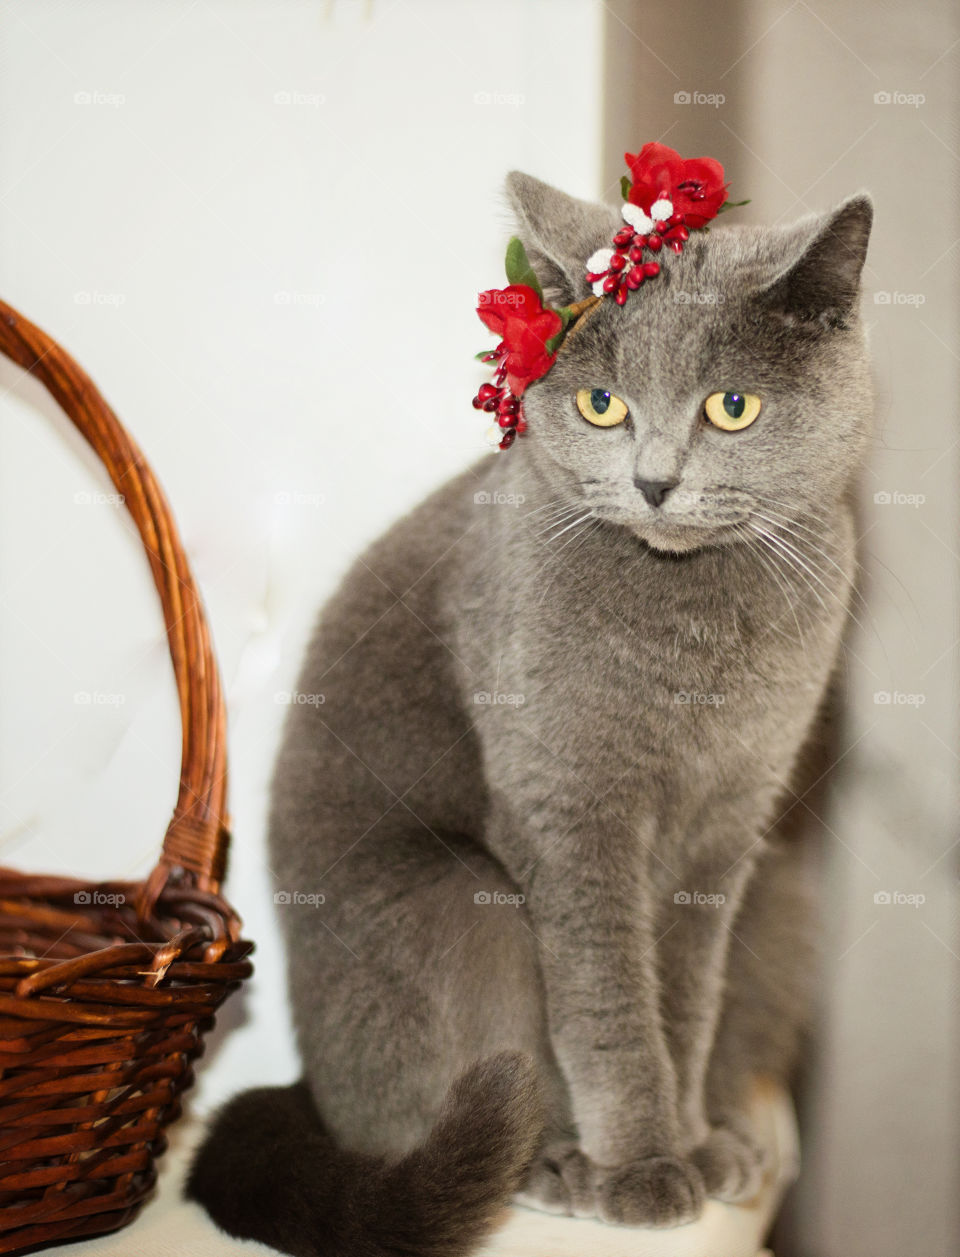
(565, 926)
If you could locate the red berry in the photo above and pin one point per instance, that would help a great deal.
(654, 243)
(634, 277)
(486, 391)
(676, 245)
(650, 269)
(507, 421)
(508, 439)
(675, 218)
(621, 296)
(623, 237)
(610, 283)
(660, 226)
(521, 427)
(618, 262)
(476, 403)
(635, 254)
(593, 276)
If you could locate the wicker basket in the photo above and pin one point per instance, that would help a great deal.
(106, 989)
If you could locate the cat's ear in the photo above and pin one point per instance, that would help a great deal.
(559, 233)
(819, 281)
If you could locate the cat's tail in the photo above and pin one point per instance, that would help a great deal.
(269, 1171)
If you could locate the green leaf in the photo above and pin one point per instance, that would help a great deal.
(554, 342)
(518, 268)
(732, 205)
(481, 355)
(625, 186)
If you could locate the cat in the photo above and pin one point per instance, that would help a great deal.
(565, 926)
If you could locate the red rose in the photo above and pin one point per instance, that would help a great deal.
(517, 316)
(695, 186)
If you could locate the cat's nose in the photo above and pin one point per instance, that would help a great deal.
(654, 490)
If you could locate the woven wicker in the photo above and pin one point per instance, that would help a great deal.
(106, 989)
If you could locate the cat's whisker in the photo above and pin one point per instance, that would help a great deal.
(793, 558)
(559, 503)
(801, 541)
(579, 538)
(789, 566)
(561, 516)
(583, 517)
(757, 552)
(814, 568)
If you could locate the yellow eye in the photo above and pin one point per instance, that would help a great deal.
(601, 408)
(732, 411)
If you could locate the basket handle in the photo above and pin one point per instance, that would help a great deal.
(198, 834)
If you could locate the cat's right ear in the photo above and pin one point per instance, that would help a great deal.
(559, 233)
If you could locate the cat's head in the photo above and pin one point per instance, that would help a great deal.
(743, 314)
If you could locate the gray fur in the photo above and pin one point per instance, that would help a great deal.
(600, 795)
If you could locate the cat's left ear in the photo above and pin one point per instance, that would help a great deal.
(822, 284)
(559, 233)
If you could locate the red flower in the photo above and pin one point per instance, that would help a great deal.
(695, 186)
(517, 316)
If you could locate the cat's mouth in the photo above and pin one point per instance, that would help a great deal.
(673, 535)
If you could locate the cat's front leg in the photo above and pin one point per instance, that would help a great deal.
(588, 905)
(698, 931)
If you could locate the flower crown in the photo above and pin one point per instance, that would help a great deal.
(665, 198)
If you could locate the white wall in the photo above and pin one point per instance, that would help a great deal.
(277, 298)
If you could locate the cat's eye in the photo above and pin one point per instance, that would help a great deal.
(601, 407)
(732, 411)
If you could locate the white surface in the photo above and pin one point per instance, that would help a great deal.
(172, 1227)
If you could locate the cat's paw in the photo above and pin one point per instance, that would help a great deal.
(732, 1164)
(560, 1180)
(655, 1191)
